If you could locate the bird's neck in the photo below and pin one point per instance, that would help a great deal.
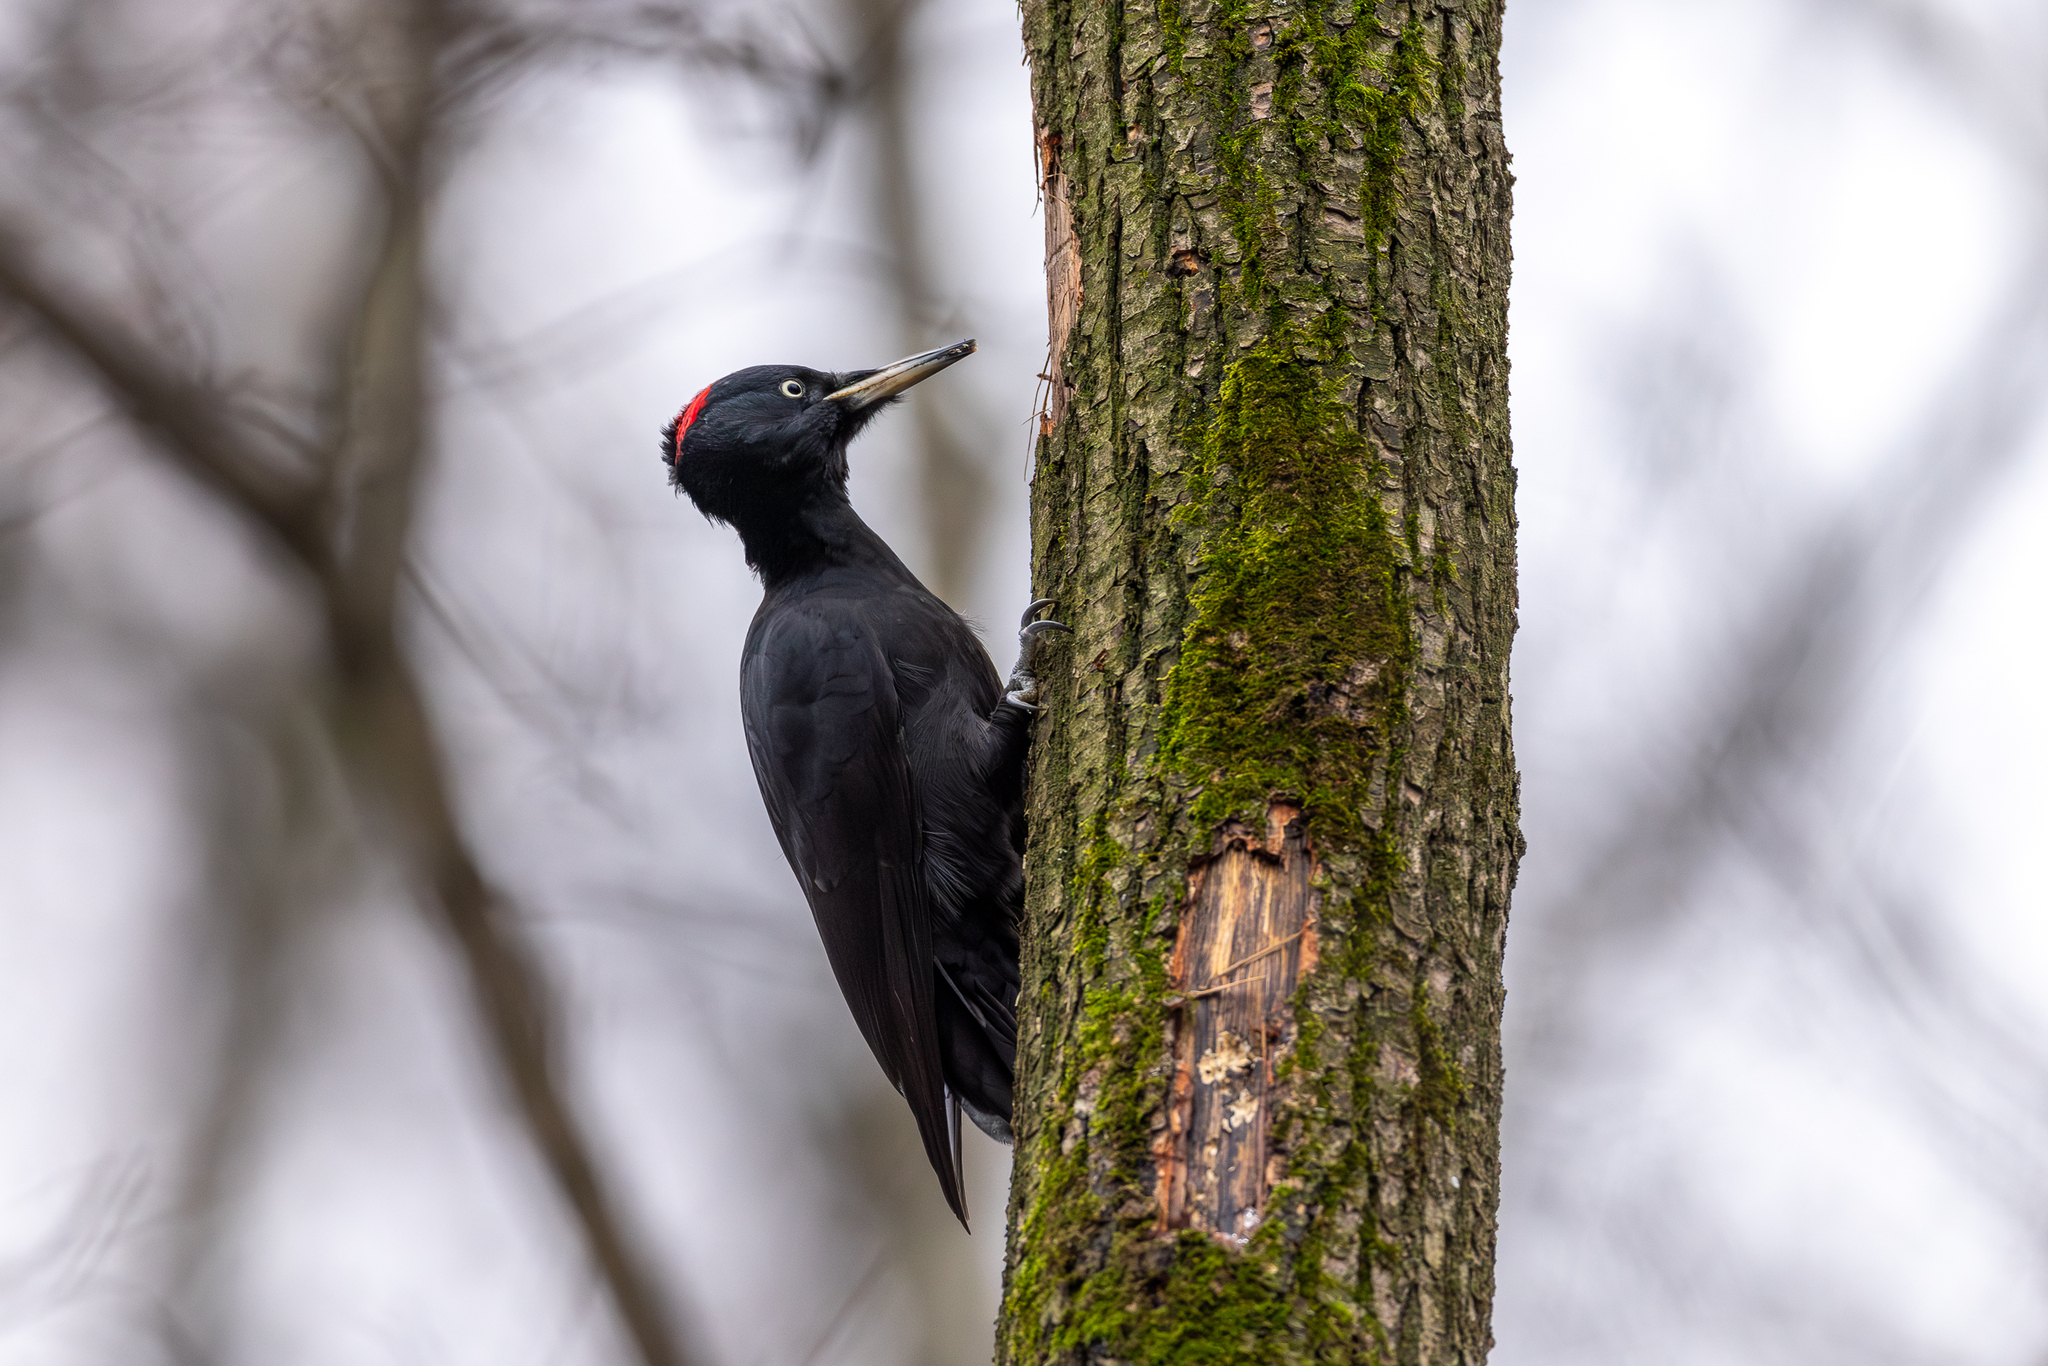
(820, 532)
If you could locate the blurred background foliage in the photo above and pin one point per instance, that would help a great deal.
(1780, 336)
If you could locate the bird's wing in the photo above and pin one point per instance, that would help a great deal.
(825, 733)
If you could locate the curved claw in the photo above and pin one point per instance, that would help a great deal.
(1022, 689)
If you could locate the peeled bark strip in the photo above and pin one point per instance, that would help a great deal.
(1245, 938)
(1274, 804)
(1062, 277)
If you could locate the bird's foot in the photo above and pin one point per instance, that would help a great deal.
(1022, 689)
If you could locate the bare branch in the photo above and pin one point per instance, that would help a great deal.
(191, 417)
(350, 539)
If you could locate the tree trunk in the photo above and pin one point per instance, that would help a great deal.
(1274, 804)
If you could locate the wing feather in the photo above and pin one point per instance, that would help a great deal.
(824, 729)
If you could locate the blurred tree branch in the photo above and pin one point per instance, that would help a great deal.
(953, 481)
(192, 418)
(345, 537)
(109, 269)
(1854, 591)
(1756, 779)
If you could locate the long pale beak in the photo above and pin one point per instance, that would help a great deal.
(891, 380)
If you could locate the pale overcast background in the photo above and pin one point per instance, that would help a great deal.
(1780, 345)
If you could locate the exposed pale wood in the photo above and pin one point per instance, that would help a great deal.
(1247, 933)
(1062, 275)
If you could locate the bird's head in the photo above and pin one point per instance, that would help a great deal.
(771, 435)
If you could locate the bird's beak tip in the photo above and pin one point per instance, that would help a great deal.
(892, 380)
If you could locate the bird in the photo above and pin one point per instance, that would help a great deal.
(889, 753)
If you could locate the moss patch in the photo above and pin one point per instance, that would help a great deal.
(1333, 84)
(1300, 636)
(1341, 59)
(1074, 1287)
(1441, 1089)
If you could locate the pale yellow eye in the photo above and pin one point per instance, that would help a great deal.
(793, 388)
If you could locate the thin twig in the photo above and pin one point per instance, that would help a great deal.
(1215, 987)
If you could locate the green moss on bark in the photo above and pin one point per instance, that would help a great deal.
(1336, 80)
(1300, 634)
(1377, 113)
(1277, 511)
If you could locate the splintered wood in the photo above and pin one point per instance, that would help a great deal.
(1247, 933)
(1062, 278)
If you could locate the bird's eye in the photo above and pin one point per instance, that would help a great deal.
(794, 388)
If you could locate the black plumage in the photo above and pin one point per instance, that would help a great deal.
(889, 754)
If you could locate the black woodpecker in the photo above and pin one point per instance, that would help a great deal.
(889, 753)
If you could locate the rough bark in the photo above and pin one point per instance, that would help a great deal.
(1274, 811)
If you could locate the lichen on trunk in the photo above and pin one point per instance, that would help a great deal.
(1273, 810)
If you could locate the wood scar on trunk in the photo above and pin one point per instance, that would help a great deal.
(1062, 277)
(1247, 934)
